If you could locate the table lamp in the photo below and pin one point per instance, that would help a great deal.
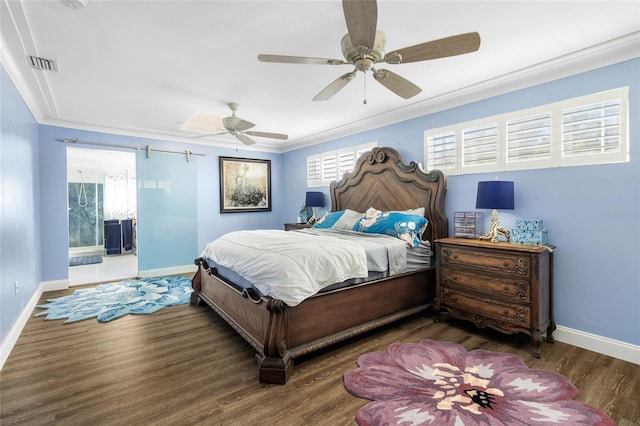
(314, 199)
(495, 195)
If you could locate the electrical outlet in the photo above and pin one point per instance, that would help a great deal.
(17, 287)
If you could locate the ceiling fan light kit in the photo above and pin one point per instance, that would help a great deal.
(204, 122)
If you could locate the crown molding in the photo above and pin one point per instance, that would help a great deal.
(598, 56)
(614, 51)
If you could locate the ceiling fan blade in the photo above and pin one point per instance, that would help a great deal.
(244, 139)
(235, 123)
(335, 86)
(398, 85)
(208, 134)
(300, 60)
(268, 135)
(449, 46)
(361, 17)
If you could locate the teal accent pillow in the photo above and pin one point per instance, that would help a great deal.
(328, 220)
(406, 227)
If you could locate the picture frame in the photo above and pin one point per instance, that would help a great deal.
(245, 185)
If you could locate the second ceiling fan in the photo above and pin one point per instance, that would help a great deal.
(363, 47)
(233, 125)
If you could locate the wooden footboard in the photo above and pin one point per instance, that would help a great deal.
(280, 333)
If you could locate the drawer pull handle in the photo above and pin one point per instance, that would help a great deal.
(505, 288)
(505, 264)
(455, 256)
(505, 312)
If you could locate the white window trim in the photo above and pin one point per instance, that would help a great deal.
(556, 158)
(335, 155)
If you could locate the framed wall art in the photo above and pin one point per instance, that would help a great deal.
(245, 185)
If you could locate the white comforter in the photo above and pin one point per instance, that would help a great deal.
(289, 266)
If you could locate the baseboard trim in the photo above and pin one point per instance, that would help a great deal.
(12, 337)
(173, 270)
(603, 345)
(54, 285)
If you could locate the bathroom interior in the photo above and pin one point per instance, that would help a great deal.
(102, 215)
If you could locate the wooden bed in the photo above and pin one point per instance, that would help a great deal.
(280, 333)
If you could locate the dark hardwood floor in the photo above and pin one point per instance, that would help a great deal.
(183, 365)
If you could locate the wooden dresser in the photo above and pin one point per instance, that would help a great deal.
(501, 285)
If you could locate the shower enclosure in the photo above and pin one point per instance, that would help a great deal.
(101, 191)
(86, 215)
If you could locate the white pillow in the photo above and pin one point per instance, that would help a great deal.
(348, 219)
(418, 212)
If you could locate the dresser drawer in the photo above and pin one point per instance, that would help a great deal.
(515, 290)
(512, 263)
(513, 313)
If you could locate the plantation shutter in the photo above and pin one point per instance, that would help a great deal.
(480, 145)
(441, 151)
(591, 129)
(329, 168)
(529, 138)
(346, 161)
(324, 168)
(313, 170)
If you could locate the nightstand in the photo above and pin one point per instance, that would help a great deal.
(292, 226)
(505, 286)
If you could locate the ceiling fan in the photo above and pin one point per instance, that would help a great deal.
(234, 125)
(363, 47)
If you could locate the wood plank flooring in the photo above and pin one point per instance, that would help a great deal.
(183, 365)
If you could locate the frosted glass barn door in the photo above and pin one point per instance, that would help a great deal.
(167, 211)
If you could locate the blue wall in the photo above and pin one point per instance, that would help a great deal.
(20, 205)
(211, 224)
(592, 213)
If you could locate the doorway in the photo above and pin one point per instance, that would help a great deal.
(102, 207)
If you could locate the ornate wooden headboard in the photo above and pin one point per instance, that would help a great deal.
(381, 179)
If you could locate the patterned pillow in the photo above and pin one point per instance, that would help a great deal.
(406, 227)
(328, 220)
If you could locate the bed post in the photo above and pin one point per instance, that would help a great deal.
(274, 364)
(196, 283)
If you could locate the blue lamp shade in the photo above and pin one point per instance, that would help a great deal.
(495, 194)
(314, 199)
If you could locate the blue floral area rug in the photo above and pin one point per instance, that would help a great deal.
(107, 302)
(440, 383)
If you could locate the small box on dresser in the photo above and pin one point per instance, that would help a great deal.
(529, 224)
(535, 238)
(529, 231)
(467, 224)
(504, 286)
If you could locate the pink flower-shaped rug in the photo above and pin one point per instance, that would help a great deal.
(440, 383)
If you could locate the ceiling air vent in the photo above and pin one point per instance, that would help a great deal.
(43, 64)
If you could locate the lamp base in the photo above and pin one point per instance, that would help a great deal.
(313, 219)
(495, 230)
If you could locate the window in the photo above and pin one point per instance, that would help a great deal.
(590, 129)
(324, 168)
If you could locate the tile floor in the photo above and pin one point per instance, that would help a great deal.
(112, 268)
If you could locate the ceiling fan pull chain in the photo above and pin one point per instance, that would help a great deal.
(364, 102)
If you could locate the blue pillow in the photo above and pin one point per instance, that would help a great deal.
(329, 220)
(406, 227)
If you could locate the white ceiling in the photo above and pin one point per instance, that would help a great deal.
(141, 68)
